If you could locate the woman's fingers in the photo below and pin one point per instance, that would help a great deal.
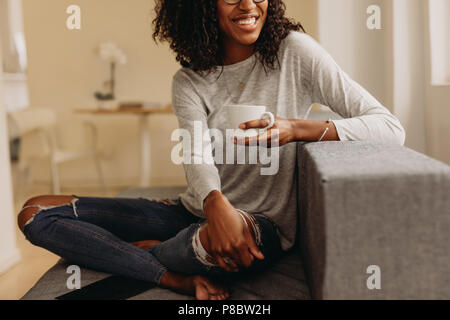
(268, 138)
(220, 261)
(229, 258)
(235, 260)
(246, 257)
(227, 263)
(259, 123)
(253, 248)
(231, 264)
(254, 141)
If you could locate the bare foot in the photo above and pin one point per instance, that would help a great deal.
(146, 244)
(206, 290)
(199, 286)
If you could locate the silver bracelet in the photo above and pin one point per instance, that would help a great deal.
(326, 130)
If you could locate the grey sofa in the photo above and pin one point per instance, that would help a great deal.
(362, 205)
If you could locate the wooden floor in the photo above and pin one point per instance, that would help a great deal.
(34, 261)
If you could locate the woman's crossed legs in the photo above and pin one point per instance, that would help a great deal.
(151, 240)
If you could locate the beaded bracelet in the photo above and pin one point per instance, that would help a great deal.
(326, 130)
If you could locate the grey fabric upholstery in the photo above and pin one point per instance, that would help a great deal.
(360, 204)
(365, 204)
(284, 281)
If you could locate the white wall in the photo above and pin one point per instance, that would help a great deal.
(437, 77)
(333, 20)
(439, 11)
(409, 84)
(392, 64)
(9, 254)
(11, 27)
(359, 51)
(15, 90)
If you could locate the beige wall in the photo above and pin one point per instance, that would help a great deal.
(305, 12)
(64, 72)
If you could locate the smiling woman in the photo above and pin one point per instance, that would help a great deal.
(203, 41)
(241, 26)
(231, 218)
(255, 56)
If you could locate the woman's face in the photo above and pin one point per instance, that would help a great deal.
(242, 22)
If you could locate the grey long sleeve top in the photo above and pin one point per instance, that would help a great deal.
(307, 74)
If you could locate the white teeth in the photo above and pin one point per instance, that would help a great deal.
(249, 21)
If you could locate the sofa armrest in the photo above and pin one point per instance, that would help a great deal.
(368, 203)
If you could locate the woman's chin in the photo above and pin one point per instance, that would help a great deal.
(247, 40)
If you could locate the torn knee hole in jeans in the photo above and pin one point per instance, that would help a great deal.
(45, 208)
(200, 253)
(205, 258)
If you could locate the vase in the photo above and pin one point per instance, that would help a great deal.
(107, 104)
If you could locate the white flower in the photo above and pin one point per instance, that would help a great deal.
(110, 52)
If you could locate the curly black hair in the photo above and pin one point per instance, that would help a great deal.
(192, 29)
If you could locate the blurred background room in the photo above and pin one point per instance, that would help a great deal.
(85, 104)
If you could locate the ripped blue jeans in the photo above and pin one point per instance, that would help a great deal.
(97, 233)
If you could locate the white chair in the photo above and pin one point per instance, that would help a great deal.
(41, 123)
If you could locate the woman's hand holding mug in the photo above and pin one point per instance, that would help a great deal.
(282, 132)
(272, 129)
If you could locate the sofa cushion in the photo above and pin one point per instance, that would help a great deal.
(285, 280)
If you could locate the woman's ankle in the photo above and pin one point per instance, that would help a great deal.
(177, 282)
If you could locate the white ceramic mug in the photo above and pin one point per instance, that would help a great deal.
(238, 114)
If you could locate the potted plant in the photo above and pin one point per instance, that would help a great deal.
(112, 54)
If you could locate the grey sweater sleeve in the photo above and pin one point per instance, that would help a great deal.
(202, 176)
(365, 117)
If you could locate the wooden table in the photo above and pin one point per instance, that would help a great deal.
(143, 114)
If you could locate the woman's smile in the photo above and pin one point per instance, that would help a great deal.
(246, 22)
(241, 23)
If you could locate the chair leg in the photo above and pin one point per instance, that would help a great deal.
(22, 180)
(55, 178)
(25, 178)
(100, 174)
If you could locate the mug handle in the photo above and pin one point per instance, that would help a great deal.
(271, 117)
